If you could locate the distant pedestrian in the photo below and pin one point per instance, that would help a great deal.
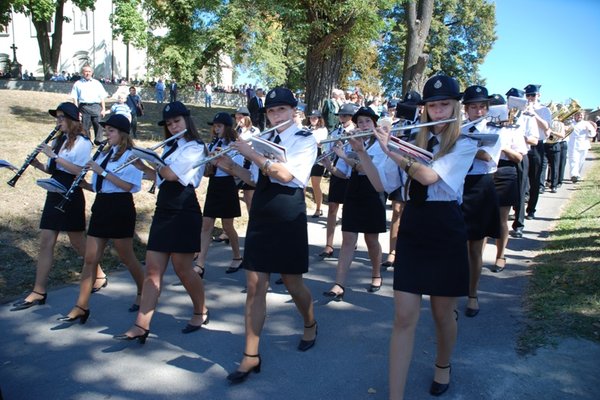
(208, 95)
(89, 94)
(173, 91)
(160, 91)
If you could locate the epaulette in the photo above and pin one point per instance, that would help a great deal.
(303, 133)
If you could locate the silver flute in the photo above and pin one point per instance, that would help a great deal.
(157, 146)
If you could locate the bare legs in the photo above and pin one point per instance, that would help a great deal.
(46, 258)
(93, 254)
(208, 224)
(156, 265)
(256, 308)
(502, 241)
(315, 183)
(397, 207)
(332, 211)
(475, 248)
(347, 254)
(406, 316)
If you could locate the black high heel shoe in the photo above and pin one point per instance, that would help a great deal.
(189, 328)
(24, 304)
(437, 389)
(307, 344)
(471, 312)
(240, 376)
(375, 288)
(105, 284)
(140, 338)
(82, 317)
(325, 253)
(134, 307)
(336, 296)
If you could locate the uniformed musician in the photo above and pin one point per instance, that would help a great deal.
(113, 214)
(67, 155)
(176, 224)
(277, 234)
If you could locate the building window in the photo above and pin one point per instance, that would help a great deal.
(81, 20)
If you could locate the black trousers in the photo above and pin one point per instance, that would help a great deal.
(133, 129)
(562, 161)
(552, 154)
(90, 117)
(536, 156)
(522, 182)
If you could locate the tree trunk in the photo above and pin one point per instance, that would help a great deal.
(415, 61)
(322, 76)
(50, 54)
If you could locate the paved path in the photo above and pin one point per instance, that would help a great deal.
(42, 358)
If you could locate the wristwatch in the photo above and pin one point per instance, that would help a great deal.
(104, 173)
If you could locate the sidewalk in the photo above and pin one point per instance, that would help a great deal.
(43, 358)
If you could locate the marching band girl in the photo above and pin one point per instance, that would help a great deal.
(69, 152)
(176, 225)
(317, 127)
(113, 214)
(337, 185)
(514, 149)
(364, 207)
(246, 130)
(277, 235)
(222, 199)
(480, 201)
(431, 252)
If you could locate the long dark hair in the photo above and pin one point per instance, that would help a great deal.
(192, 131)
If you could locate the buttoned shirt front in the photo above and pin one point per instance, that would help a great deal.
(91, 91)
(129, 174)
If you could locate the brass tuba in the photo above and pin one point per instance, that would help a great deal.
(563, 114)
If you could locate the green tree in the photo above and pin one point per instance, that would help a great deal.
(459, 36)
(129, 24)
(43, 13)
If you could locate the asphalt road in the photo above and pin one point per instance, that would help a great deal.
(42, 358)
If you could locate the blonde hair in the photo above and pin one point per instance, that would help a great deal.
(448, 136)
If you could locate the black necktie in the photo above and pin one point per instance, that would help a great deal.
(100, 178)
(418, 191)
(260, 103)
(170, 151)
(57, 145)
(472, 129)
(277, 139)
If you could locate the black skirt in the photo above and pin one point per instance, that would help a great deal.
(507, 187)
(277, 233)
(113, 216)
(177, 222)
(222, 200)
(73, 217)
(317, 170)
(364, 208)
(480, 207)
(396, 195)
(431, 251)
(337, 190)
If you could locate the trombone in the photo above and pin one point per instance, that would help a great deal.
(157, 146)
(398, 128)
(31, 157)
(229, 148)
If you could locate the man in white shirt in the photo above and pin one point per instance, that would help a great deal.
(89, 94)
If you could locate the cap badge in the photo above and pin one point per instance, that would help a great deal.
(168, 108)
(273, 94)
(409, 96)
(478, 90)
(437, 84)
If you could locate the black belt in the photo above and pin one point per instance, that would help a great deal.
(87, 104)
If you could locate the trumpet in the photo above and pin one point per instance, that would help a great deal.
(395, 129)
(31, 157)
(157, 146)
(67, 196)
(229, 148)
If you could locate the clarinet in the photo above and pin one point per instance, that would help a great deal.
(30, 158)
(67, 196)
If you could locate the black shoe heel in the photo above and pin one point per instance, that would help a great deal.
(105, 284)
(437, 389)
(82, 318)
(336, 296)
(189, 328)
(241, 376)
(23, 304)
(471, 312)
(140, 338)
(375, 288)
(307, 344)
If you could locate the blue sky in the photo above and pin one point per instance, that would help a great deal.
(553, 43)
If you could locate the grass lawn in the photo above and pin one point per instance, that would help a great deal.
(563, 296)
